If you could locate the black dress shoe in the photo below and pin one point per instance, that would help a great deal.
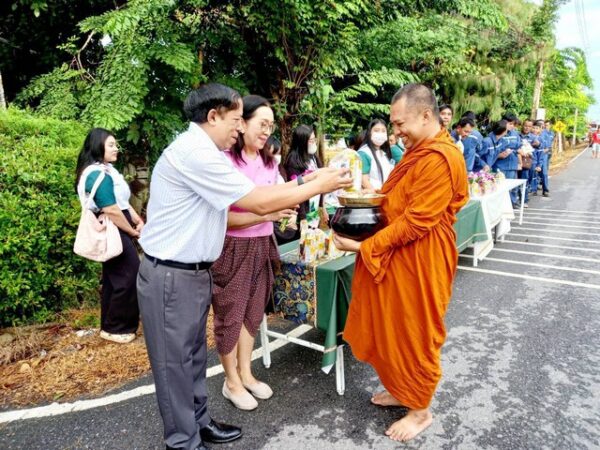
(219, 433)
(200, 447)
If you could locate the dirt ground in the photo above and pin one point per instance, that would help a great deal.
(67, 360)
(59, 362)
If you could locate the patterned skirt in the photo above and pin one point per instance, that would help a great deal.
(243, 279)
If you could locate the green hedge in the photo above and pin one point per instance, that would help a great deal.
(39, 212)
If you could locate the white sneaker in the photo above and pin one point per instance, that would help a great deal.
(118, 338)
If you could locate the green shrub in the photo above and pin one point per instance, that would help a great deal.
(39, 213)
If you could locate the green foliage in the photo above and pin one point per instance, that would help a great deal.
(567, 88)
(138, 86)
(39, 212)
(328, 62)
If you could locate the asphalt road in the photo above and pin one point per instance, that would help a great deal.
(521, 362)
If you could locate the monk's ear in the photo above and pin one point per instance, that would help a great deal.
(427, 115)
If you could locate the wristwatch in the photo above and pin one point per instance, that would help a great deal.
(300, 180)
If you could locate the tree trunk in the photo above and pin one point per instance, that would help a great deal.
(2, 98)
(537, 90)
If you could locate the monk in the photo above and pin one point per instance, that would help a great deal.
(403, 274)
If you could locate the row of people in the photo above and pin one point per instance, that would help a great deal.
(503, 148)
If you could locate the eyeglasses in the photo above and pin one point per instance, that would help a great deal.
(267, 127)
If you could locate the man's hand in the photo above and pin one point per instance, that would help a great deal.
(345, 244)
(538, 169)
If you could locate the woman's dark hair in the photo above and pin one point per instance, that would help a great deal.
(446, 106)
(499, 127)
(385, 146)
(251, 104)
(358, 140)
(275, 143)
(510, 117)
(297, 158)
(209, 96)
(92, 151)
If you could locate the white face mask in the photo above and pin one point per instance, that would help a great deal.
(312, 149)
(379, 138)
(277, 158)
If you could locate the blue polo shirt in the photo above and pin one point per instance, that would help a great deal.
(472, 151)
(490, 147)
(512, 141)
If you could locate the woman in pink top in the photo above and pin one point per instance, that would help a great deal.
(243, 275)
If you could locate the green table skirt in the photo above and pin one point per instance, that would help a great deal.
(319, 295)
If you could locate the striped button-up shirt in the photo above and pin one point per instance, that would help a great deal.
(193, 184)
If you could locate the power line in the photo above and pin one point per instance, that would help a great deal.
(581, 24)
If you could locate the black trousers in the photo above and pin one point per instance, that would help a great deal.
(119, 312)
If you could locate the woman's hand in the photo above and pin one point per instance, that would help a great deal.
(137, 220)
(331, 179)
(345, 244)
(278, 216)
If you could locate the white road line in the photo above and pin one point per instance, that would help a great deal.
(547, 255)
(553, 219)
(554, 231)
(590, 213)
(544, 266)
(555, 238)
(579, 216)
(563, 226)
(530, 277)
(566, 247)
(56, 409)
(580, 153)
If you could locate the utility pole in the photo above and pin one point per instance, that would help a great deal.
(574, 128)
(537, 90)
(2, 98)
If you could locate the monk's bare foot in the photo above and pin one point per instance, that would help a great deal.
(384, 398)
(410, 425)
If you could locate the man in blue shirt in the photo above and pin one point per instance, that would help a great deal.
(472, 146)
(537, 143)
(548, 139)
(507, 160)
(461, 132)
(528, 160)
(492, 145)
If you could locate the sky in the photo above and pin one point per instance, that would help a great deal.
(568, 35)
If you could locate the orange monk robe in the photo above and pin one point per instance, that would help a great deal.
(403, 275)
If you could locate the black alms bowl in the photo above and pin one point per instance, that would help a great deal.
(357, 223)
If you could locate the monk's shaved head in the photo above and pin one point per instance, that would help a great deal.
(417, 98)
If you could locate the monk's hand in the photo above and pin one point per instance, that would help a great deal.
(331, 179)
(345, 244)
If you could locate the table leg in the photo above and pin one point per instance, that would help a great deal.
(340, 380)
(264, 342)
(523, 189)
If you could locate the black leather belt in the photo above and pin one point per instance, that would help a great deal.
(179, 265)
